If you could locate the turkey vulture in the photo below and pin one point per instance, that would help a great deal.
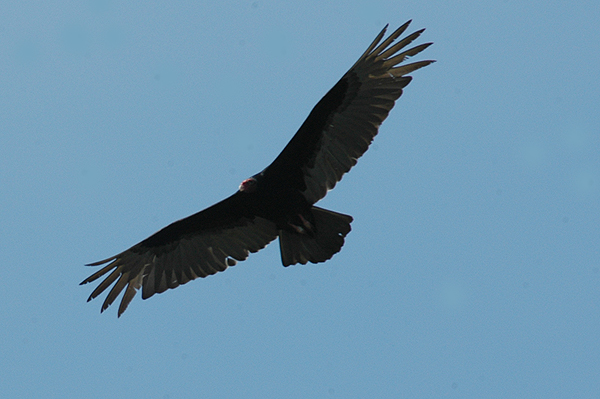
(279, 201)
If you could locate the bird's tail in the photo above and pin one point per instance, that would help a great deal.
(330, 230)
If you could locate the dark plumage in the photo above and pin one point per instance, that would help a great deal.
(279, 201)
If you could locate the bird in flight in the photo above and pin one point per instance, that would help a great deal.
(279, 201)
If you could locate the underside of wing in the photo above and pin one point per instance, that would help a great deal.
(197, 246)
(342, 125)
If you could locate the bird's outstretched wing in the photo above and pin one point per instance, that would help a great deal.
(341, 126)
(197, 246)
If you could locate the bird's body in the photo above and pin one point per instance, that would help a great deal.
(279, 201)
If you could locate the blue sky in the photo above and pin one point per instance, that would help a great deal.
(472, 268)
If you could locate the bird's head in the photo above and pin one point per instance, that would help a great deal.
(248, 185)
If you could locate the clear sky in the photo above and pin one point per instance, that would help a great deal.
(472, 270)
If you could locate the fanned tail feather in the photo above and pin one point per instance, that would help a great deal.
(330, 230)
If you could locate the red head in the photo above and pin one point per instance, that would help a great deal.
(248, 185)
